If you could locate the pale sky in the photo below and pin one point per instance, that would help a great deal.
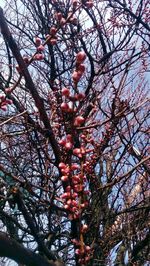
(2, 3)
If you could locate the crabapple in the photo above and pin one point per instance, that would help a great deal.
(79, 120)
(65, 92)
(40, 48)
(68, 145)
(64, 107)
(84, 228)
(76, 151)
(37, 41)
(89, 4)
(53, 31)
(76, 76)
(64, 178)
(81, 68)
(38, 57)
(62, 165)
(75, 167)
(3, 107)
(53, 41)
(80, 57)
(62, 142)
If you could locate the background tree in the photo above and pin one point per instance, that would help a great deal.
(74, 132)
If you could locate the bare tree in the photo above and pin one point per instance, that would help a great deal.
(74, 134)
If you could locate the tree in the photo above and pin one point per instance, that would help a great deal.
(74, 132)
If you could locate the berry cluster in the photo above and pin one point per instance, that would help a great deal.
(80, 67)
(74, 172)
(83, 251)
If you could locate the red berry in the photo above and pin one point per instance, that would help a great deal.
(68, 145)
(62, 142)
(80, 57)
(75, 167)
(53, 31)
(89, 4)
(38, 57)
(37, 41)
(76, 151)
(76, 76)
(65, 92)
(40, 48)
(64, 107)
(53, 41)
(79, 120)
(81, 68)
(64, 178)
(62, 165)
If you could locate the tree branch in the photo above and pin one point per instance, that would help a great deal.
(11, 249)
(24, 72)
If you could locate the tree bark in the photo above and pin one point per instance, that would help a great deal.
(11, 249)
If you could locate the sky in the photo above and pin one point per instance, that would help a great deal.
(2, 2)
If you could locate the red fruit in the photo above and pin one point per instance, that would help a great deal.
(69, 137)
(65, 92)
(53, 41)
(69, 202)
(76, 76)
(64, 178)
(81, 68)
(65, 171)
(62, 142)
(68, 188)
(74, 203)
(87, 248)
(84, 228)
(8, 90)
(75, 241)
(89, 4)
(37, 41)
(38, 57)
(62, 165)
(80, 57)
(80, 96)
(53, 31)
(68, 145)
(8, 101)
(78, 252)
(74, 195)
(78, 188)
(76, 151)
(2, 97)
(79, 120)
(75, 167)
(66, 207)
(74, 209)
(82, 150)
(64, 107)
(40, 48)
(3, 107)
(65, 195)
(26, 59)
